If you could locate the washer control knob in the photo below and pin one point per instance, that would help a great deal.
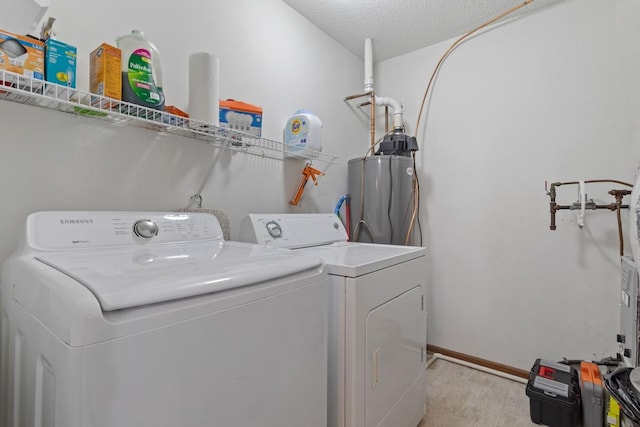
(274, 229)
(145, 228)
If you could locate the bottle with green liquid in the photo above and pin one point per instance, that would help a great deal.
(141, 72)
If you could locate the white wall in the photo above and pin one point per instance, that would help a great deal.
(552, 96)
(269, 56)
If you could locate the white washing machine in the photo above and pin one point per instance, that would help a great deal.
(378, 321)
(120, 319)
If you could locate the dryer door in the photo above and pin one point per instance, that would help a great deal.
(395, 335)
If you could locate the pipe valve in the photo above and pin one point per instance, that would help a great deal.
(589, 204)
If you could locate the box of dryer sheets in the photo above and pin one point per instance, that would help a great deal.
(592, 390)
(241, 116)
(21, 55)
(554, 394)
(105, 76)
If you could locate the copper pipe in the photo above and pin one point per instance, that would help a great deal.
(553, 207)
(452, 47)
(359, 95)
(615, 181)
(619, 194)
(617, 206)
(372, 103)
(620, 238)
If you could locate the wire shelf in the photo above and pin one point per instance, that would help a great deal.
(29, 91)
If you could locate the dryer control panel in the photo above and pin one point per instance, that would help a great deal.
(292, 230)
(72, 230)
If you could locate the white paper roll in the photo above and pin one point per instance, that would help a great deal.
(23, 16)
(204, 87)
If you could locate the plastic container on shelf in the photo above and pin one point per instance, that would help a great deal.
(241, 116)
(141, 71)
(28, 91)
(303, 135)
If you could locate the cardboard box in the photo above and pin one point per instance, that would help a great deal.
(21, 55)
(105, 75)
(241, 116)
(60, 63)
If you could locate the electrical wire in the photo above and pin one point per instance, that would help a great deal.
(416, 202)
(361, 221)
(374, 145)
(196, 200)
(418, 193)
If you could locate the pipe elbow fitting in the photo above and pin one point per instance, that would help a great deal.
(395, 106)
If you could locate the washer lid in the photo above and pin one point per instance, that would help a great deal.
(352, 259)
(133, 276)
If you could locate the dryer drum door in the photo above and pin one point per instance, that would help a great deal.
(395, 334)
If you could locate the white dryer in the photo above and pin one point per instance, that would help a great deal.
(378, 322)
(124, 319)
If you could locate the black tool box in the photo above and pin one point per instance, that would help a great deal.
(554, 394)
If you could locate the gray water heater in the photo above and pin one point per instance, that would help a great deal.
(381, 189)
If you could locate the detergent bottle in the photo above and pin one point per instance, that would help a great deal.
(141, 73)
(303, 135)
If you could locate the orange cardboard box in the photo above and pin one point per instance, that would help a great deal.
(21, 55)
(104, 67)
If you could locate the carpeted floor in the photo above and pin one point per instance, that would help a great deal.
(458, 396)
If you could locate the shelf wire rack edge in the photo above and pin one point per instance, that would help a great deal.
(34, 92)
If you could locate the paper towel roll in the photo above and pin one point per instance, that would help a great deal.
(204, 87)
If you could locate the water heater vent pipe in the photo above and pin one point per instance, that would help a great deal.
(368, 66)
(395, 106)
(368, 86)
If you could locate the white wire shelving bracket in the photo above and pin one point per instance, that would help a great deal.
(38, 93)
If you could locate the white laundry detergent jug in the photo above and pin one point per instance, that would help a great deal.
(303, 135)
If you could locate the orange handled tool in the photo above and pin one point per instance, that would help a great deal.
(307, 172)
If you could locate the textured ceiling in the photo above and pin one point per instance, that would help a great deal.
(401, 26)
